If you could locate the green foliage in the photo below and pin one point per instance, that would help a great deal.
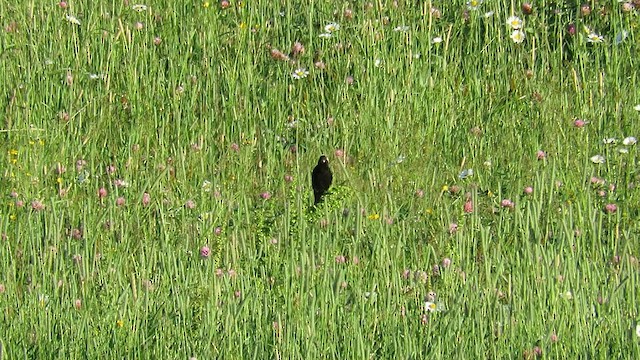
(155, 170)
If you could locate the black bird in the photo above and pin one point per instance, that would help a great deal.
(321, 178)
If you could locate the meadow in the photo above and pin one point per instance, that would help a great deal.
(155, 174)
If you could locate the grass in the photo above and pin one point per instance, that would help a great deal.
(156, 181)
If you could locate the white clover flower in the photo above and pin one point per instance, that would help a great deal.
(436, 40)
(517, 36)
(331, 27)
(514, 22)
(377, 62)
(299, 73)
(139, 7)
(609, 141)
(623, 151)
(594, 38)
(72, 19)
(630, 140)
(597, 159)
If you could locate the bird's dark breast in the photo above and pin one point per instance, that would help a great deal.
(321, 179)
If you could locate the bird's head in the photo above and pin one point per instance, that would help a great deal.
(323, 160)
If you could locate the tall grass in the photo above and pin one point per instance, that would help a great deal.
(157, 198)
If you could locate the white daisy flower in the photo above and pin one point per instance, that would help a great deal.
(299, 73)
(517, 36)
(630, 140)
(43, 299)
(594, 38)
(597, 159)
(331, 27)
(139, 7)
(514, 22)
(430, 306)
(474, 4)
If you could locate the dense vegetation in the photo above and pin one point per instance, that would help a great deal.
(155, 172)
